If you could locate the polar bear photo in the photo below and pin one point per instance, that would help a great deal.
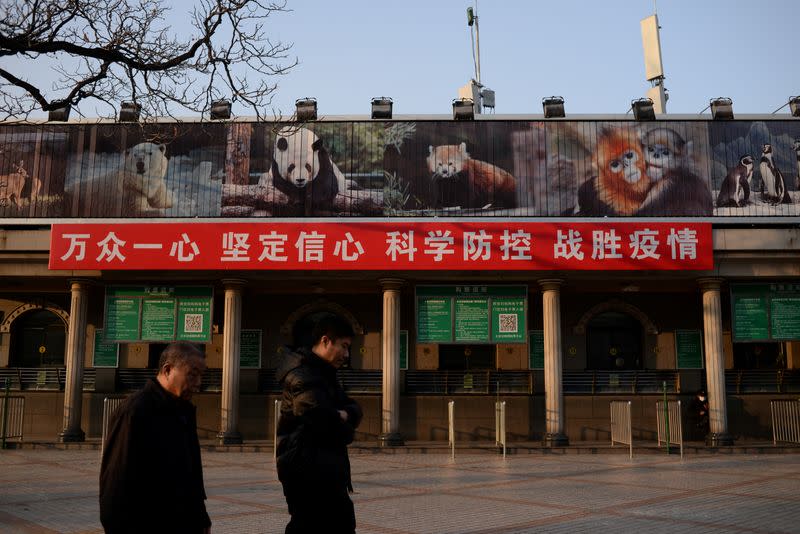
(144, 177)
(136, 185)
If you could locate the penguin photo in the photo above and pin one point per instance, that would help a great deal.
(773, 188)
(735, 189)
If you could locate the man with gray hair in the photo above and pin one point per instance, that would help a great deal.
(151, 477)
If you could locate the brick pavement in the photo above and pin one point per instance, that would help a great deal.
(46, 491)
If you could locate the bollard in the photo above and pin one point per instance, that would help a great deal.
(5, 413)
(666, 412)
(275, 416)
(451, 431)
(500, 425)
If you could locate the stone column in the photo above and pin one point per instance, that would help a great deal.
(390, 351)
(75, 353)
(554, 399)
(715, 362)
(231, 330)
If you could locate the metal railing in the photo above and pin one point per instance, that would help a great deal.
(615, 382)
(480, 382)
(12, 418)
(353, 380)
(670, 425)
(785, 421)
(135, 379)
(762, 381)
(43, 378)
(110, 405)
(621, 424)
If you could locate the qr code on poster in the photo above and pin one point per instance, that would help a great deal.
(193, 323)
(508, 322)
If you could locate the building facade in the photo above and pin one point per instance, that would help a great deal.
(557, 264)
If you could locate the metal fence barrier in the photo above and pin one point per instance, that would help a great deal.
(785, 421)
(12, 415)
(110, 405)
(670, 424)
(621, 424)
(500, 425)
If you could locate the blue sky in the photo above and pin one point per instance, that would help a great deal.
(590, 52)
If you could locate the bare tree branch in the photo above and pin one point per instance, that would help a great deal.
(109, 51)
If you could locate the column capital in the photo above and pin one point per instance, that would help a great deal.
(80, 283)
(550, 284)
(388, 284)
(234, 283)
(710, 283)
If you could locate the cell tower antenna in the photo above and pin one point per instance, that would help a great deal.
(482, 97)
(654, 69)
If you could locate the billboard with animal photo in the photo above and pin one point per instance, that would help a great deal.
(32, 171)
(756, 168)
(368, 168)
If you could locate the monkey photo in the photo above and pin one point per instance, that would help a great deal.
(735, 189)
(621, 183)
(675, 189)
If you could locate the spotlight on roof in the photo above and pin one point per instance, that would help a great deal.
(463, 109)
(306, 109)
(59, 114)
(794, 105)
(643, 109)
(381, 107)
(220, 110)
(129, 112)
(722, 108)
(553, 107)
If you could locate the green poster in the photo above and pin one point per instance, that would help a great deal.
(785, 317)
(158, 319)
(750, 321)
(404, 349)
(122, 318)
(434, 320)
(536, 349)
(194, 319)
(472, 319)
(508, 320)
(158, 313)
(250, 349)
(689, 349)
(105, 354)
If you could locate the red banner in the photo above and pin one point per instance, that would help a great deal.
(434, 245)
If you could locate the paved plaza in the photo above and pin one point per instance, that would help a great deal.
(46, 491)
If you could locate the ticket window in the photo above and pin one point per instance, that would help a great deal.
(467, 357)
(614, 342)
(38, 339)
(767, 355)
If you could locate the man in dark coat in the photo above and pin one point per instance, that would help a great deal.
(151, 477)
(317, 422)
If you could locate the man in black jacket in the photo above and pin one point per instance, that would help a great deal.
(317, 422)
(151, 477)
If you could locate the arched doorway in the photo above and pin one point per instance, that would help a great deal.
(38, 338)
(614, 342)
